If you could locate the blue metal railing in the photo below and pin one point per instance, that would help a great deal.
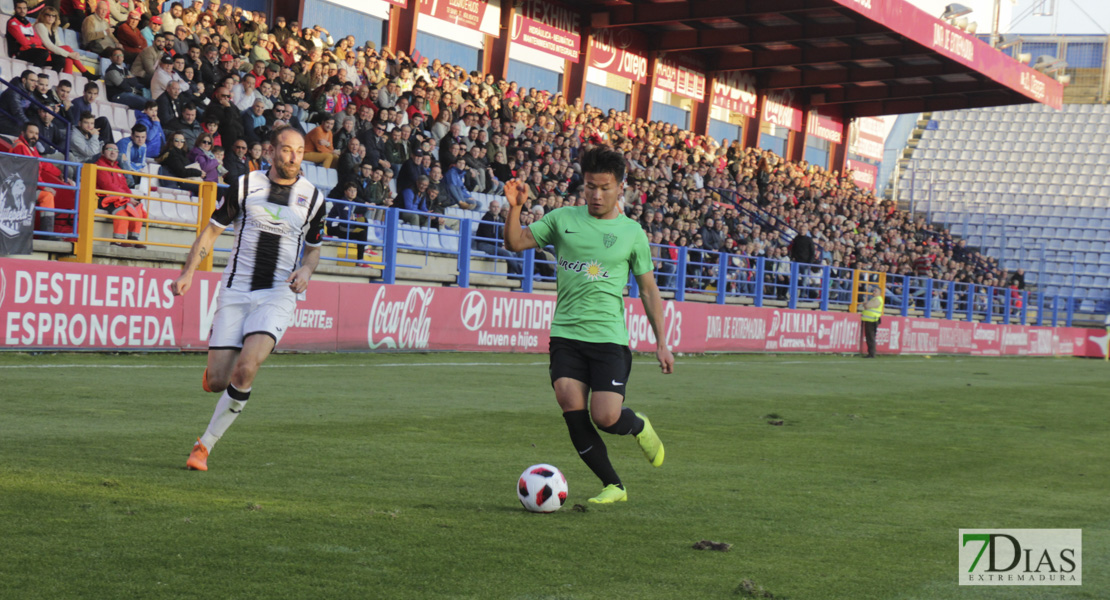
(57, 212)
(684, 271)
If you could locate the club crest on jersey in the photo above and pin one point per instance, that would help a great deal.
(302, 201)
(609, 240)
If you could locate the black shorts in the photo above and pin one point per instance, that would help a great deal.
(601, 366)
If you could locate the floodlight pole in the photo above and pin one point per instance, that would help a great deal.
(995, 17)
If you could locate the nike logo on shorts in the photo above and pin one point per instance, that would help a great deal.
(585, 451)
(615, 382)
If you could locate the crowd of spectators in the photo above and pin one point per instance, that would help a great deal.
(209, 81)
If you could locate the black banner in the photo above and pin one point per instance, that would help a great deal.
(19, 177)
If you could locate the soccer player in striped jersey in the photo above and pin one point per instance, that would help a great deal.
(274, 213)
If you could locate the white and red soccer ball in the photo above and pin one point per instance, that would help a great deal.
(542, 488)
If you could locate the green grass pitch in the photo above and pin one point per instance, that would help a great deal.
(392, 476)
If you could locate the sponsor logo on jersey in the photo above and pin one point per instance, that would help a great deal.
(593, 270)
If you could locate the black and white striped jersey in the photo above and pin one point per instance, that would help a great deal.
(271, 221)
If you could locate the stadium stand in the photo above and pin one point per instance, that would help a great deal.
(758, 201)
(1027, 185)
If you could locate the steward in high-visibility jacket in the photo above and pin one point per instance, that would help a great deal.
(871, 315)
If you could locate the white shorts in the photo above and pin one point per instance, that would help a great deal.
(240, 314)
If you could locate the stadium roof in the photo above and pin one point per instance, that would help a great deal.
(871, 57)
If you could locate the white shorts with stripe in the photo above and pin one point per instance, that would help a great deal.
(240, 314)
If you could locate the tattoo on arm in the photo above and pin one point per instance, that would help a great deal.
(203, 252)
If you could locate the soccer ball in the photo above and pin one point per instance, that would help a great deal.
(542, 488)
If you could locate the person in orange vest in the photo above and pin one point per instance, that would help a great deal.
(48, 173)
(108, 182)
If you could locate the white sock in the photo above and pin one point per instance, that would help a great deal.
(230, 405)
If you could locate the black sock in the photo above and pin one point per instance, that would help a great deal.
(590, 447)
(627, 424)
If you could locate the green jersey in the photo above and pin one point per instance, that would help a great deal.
(594, 258)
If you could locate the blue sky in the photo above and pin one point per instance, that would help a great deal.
(1069, 15)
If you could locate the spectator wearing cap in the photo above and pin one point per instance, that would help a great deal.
(52, 135)
(163, 76)
(261, 50)
(181, 39)
(373, 140)
(227, 68)
(150, 27)
(411, 170)
(96, 31)
(130, 37)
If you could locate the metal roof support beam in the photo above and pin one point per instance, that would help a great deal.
(908, 90)
(805, 56)
(916, 105)
(700, 39)
(844, 75)
(670, 12)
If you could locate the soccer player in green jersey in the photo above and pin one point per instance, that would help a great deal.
(596, 245)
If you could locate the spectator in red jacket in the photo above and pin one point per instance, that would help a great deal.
(48, 173)
(128, 35)
(108, 182)
(23, 42)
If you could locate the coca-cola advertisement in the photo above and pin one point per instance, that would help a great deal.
(780, 107)
(53, 305)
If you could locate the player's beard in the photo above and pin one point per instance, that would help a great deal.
(287, 170)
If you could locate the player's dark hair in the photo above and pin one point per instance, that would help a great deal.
(603, 159)
(276, 134)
